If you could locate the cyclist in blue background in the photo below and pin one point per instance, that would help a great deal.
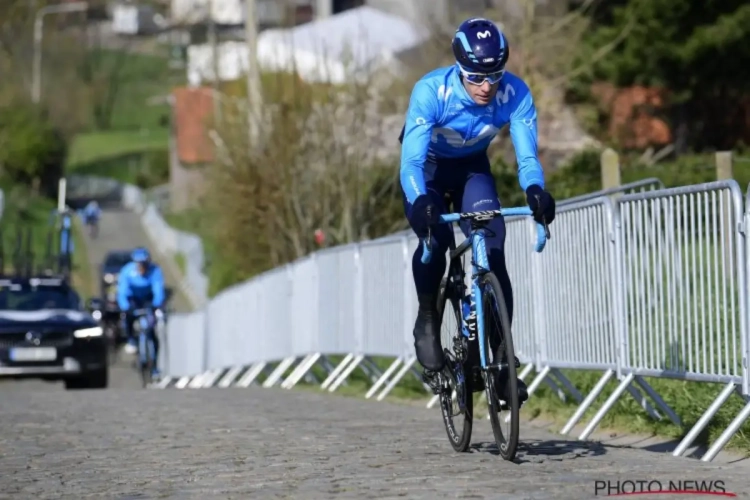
(140, 284)
(92, 213)
(453, 115)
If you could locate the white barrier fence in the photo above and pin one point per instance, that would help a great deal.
(639, 285)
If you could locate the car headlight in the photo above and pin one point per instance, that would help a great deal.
(109, 278)
(95, 331)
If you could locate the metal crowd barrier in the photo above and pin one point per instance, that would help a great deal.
(650, 284)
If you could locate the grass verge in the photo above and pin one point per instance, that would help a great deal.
(23, 210)
(179, 259)
(82, 272)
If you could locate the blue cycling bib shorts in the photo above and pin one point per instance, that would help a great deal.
(471, 188)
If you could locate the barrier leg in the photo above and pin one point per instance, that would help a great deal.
(534, 385)
(658, 400)
(568, 385)
(376, 372)
(210, 379)
(182, 383)
(335, 373)
(704, 420)
(641, 399)
(251, 374)
(229, 377)
(608, 404)
(196, 381)
(389, 387)
(305, 367)
(163, 383)
(555, 388)
(278, 372)
(326, 363)
(590, 398)
(348, 371)
(526, 370)
(387, 373)
(294, 372)
(727, 434)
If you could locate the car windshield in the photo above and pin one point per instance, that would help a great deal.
(116, 261)
(26, 298)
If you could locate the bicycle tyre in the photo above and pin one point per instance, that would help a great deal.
(146, 368)
(507, 445)
(460, 441)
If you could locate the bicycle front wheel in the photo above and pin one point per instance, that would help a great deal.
(456, 399)
(501, 383)
(145, 359)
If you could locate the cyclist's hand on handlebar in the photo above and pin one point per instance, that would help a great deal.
(542, 204)
(424, 214)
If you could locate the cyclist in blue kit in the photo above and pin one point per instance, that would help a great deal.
(453, 115)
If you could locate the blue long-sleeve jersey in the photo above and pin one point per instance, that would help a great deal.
(443, 121)
(92, 210)
(149, 287)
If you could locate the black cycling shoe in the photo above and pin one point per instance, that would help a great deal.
(427, 336)
(503, 387)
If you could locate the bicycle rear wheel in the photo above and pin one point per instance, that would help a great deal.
(456, 398)
(500, 377)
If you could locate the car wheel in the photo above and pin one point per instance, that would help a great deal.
(98, 379)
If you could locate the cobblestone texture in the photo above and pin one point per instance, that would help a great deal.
(270, 443)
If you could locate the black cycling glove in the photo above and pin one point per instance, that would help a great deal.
(542, 204)
(424, 214)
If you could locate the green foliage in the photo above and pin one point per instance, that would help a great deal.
(699, 52)
(30, 147)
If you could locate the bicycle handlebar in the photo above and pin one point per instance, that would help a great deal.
(542, 230)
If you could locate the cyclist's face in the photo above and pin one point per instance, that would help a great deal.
(141, 268)
(482, 94)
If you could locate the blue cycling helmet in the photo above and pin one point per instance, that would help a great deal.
(140, 255)
(480, 47)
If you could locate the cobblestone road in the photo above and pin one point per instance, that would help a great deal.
(270, 443)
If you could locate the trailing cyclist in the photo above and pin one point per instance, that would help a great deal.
(453, 115)
(92, 213)
(140, 284)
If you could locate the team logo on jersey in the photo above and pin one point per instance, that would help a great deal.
(504, 96)
(454, 139)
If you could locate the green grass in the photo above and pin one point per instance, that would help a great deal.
(82, 272)
(179, 259)
(91, 147)
(28, 212)
(133, 146)
(135, 157)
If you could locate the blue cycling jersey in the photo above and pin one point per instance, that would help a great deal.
(131, 285)
(444, 122)
(92, 211)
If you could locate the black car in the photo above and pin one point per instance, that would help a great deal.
(45, 333)
(109, 272)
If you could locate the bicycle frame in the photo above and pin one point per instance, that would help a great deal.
(480, 264)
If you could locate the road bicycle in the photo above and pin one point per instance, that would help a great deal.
(145, 325)
(482, 341)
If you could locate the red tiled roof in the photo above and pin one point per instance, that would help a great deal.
(193, 109)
